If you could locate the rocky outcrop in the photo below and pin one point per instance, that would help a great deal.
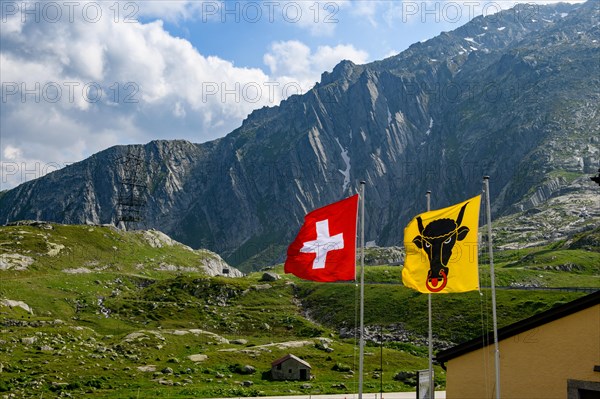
(16, 304)
(15, 261)
(384, 256)
(214, 265)
(560, 217)
(393, 333)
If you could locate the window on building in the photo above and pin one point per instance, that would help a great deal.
(587, 394)
(583, 389)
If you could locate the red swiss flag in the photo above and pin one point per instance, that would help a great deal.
(325, 247)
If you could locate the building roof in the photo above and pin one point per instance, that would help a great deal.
(289, 356)
(511, 330)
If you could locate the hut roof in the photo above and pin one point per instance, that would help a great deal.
(289, 356)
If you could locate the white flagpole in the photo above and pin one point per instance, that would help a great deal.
(362, 290)
(486, 182)
(430, 336)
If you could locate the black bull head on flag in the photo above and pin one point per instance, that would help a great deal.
(438, 240)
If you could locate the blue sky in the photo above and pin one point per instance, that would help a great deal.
(380, 28)
(78, 77)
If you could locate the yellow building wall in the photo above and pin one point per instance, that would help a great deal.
(535, 364)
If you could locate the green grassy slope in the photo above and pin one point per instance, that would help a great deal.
(126, 326)
(456, 317)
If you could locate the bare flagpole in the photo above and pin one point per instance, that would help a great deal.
(362, 290)
(486, 182)
(430, 336)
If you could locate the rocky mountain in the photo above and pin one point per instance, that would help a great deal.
(513, 95)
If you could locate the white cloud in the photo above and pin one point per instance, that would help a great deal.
(293, 60)
(12, 153)
(367, 9)
(74, 87)
(319, 17)
(168, 10)
(288, 58)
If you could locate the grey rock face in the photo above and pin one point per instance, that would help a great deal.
(513, 96)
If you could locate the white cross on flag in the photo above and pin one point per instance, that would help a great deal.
(325, 247)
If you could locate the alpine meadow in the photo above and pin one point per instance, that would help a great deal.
(165, 270)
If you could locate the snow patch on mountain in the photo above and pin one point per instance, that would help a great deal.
(430, 126)
(345, 172)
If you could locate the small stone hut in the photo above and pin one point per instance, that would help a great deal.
(290, 367)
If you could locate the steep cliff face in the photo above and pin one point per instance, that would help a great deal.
(513, 96)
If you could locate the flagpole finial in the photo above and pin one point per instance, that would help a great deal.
(486, 177)
(428, 192)
(363, 182)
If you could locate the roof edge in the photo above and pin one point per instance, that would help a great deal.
(287, 357)
(511, 330)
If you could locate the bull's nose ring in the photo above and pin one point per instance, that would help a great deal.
(442, 285)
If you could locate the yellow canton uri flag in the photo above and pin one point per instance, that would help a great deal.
(441, 249)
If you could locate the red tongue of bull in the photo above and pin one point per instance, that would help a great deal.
(434, 281)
